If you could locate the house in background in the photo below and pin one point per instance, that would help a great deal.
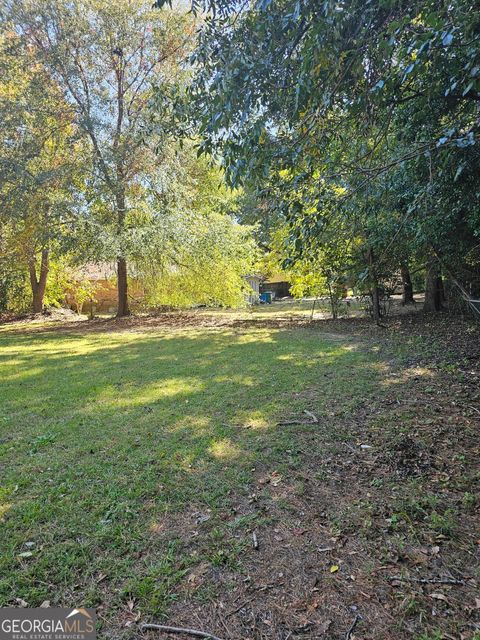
(103, 275)
(254, 281)
(277, 284)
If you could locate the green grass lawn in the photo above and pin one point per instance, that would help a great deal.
(104, 435)
(113, 441)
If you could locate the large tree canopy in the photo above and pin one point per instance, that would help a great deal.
(106, 59)
(372, 107)
(297, 70)
(92, 161)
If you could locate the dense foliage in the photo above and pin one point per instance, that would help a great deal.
(40, 170)
(371, 110)
(347, 131)
(92, 167)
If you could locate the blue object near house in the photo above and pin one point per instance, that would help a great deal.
(266, 297)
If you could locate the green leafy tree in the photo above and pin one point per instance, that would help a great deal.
(380, 99)
(198, 253)
(106, 58)
(40, 166)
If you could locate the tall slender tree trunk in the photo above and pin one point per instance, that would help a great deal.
(407, 297)
(38, 284)
(122, 288)
(374, 291)
(123, 308)
(376, 304)
(433, 287)
(333, 302)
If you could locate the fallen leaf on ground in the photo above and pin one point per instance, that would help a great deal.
(21, 603)
(275, 478)
(324, 626)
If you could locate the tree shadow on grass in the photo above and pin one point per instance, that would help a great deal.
(137, 465)
(103, 436)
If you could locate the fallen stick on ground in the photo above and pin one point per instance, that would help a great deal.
(188, 632)
(240, 607)
(312, 416)
(428, 580)
(255, 540)
(236, 426)
(286, 423)
(352, 627)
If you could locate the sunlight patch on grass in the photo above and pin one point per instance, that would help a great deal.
(256, 336)
(407, 375)
(246, 381)
(255, 420)
(131, 397)
(225, 450)
(4, 507)
(21, 375)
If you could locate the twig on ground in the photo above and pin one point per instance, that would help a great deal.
(189, 632)
(348, 635)
(236, 426)
(428, 580)
(239, 608)
(255, 540)
(222, 622)
(264, 587)
(312, 416)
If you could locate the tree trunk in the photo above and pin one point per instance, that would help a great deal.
(407, 286)
(122, 282)
(374, 291)
(376, 304)
(332, 302)
(38, 284)
(433, 288)
(122, 288)
(441, 289)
